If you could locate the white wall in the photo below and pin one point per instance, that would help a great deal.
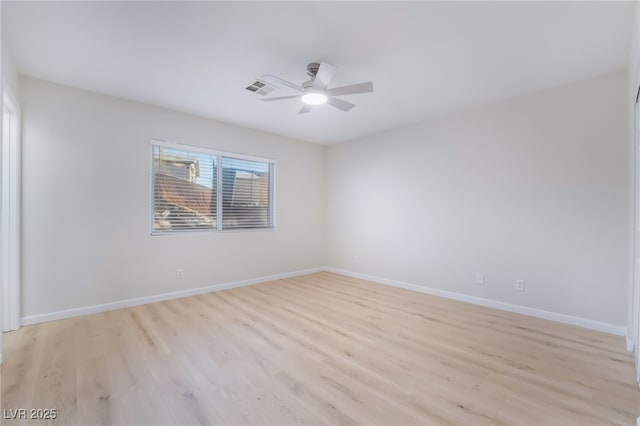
(9, 73)
(534, 188)
(86, 208)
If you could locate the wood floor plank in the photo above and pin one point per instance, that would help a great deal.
(98, 400)
(317, 349)
(55, 386)
(141, 402)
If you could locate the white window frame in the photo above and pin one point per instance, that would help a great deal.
(219, 154)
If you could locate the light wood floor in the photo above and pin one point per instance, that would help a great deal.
(318, 349)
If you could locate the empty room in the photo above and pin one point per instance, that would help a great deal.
(320, 213)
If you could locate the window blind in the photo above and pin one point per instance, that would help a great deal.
(245, 193)
(196, 189)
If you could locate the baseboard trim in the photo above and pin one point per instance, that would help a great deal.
(519, 309)
(93, 309)
(538, 313)
(629, 340)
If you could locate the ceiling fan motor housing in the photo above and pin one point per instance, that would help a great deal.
(312, 69)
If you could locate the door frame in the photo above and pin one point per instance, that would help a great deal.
(635, 291)
(10, 205)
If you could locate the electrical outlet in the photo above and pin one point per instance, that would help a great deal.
(180, 272)
(479, 278)
(356, 259)
(520, 285)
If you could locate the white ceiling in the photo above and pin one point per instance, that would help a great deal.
(425, 59)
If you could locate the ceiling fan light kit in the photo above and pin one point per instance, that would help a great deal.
(315, 92)
(314, 98)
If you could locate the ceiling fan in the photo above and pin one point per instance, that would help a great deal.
(315, 92)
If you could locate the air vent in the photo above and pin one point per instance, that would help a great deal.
(260, 87)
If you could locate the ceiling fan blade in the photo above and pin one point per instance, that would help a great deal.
(352, 89)
(279, 98)
(323, 76)
(281, 81)
(305, 109)
(340, 104)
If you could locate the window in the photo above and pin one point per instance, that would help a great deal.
(195, 189)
